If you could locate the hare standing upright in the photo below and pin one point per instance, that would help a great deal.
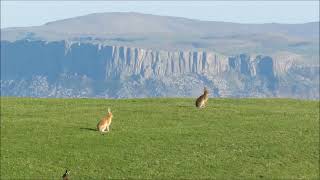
(201, 102)
(105, 122)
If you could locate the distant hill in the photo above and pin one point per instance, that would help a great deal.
(163, 32)
(102, 24)
(142, 55)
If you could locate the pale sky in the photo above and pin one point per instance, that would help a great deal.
(34, 13)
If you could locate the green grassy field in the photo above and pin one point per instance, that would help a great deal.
(160, 138)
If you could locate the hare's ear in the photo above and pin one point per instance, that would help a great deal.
(205, 89)
(108, 110)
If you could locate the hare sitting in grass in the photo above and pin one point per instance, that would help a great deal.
(202, 101)
(66, 175)
(105, 122)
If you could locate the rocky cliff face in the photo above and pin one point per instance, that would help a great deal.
(64, 69)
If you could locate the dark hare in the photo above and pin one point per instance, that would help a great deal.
(202, 101)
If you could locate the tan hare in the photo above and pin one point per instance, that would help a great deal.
(202, 101)
(105, 122)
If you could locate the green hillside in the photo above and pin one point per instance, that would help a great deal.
(160, 138)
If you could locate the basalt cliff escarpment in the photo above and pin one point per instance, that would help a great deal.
(75, 69)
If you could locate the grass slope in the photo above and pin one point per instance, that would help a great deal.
(160, 138)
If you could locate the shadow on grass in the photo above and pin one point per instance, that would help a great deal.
(89, 129)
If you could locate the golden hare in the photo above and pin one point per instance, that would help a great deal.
(202, 101)
(105, 122)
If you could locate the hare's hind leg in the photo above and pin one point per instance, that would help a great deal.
(102, 130)
(202, 104)
(205, 104)
(105, 130)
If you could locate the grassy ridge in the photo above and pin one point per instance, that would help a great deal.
(160, 138)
